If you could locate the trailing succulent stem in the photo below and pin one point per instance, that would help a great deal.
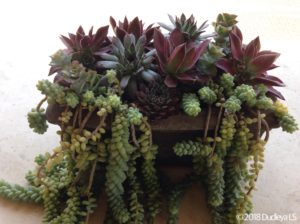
(151, 182)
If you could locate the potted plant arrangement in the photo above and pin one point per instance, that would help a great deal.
(149, 96)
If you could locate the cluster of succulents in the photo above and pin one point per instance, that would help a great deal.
(123, 83)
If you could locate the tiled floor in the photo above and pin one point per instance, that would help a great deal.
(28, 37)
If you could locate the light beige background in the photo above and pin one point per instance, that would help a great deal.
(29, 34)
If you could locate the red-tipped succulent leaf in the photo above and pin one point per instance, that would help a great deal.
(177, 58)
(250, 65)
(135, 27)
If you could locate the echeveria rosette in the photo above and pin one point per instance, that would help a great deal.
(178, 58)
(187, 26)
(82, 47)
(132, 62)
(135, 27)
(157, 101)
(249, 65)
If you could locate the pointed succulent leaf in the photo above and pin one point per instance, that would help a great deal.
(91, 32)
(129, 40)
(264, 52)
(236, 31)
(150, 26)
(165, 26)
(203, 26)
(125, 23)
(273, 66)
(100, 35)
(53, 69)
(80, 31)
(171, 19)
(124, 81)
(200, 50)
(176, 59)
(252, 48)
(120, 33)
(192, 56)
(188, 61)
(118, 44)
(274, 92)
(226, 65)
(170, 81)
(263, 62)
(67, 42)
(85, 42)
(112, 22)
(72, 38)
(269, 80)
(140, 46)
(236, 46)
(177, 37)
(193, 78)
(160, 45)
(135, 28)
(149, 33)
(186, 77)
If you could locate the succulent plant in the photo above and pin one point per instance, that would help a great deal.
(207, 95)
(191, 104)
(157, 101)
(187, 27)
(223, 26)
(130, 61)
(177, 58)
(288, 124)
(135, 27)
(106, 141)
(206, 63)
(82, 47)
(134, 116)
(249, 65)
(233, 104)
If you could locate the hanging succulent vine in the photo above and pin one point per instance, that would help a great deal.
(106, 143)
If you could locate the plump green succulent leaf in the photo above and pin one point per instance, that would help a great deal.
(107, 64)
(107, 56)
(124, 81)
(149, 75)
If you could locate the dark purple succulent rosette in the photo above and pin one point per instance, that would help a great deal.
(250, 65)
